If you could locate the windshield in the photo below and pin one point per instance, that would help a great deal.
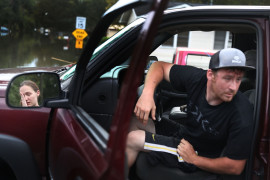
(104, 45)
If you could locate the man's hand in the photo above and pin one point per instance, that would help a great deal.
(186, 151)
(23, 101)
(145, 105)
(220, 165)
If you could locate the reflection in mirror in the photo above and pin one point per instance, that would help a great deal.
(29, 92)
(33, 89)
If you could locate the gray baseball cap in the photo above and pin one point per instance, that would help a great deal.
(229, 58)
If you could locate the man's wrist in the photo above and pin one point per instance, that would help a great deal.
(148, 92)
(195, 159)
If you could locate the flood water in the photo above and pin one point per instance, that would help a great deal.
(37, 51)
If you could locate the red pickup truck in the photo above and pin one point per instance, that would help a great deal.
(87, 126)
(189, 56)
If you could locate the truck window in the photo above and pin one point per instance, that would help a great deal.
(199, 61)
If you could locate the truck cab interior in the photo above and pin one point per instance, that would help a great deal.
(100, 97)
(244, 37)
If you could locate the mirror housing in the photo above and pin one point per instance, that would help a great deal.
(33, 90)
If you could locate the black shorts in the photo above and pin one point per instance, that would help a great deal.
(163, 150)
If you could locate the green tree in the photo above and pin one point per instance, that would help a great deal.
(56, 15)
(60, 15)
(110, 3)
(17, 15)
(92, 10)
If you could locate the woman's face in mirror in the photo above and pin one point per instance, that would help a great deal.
(29, 97)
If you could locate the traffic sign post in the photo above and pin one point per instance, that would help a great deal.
(79, 44)
(80, 33)
(80, 22)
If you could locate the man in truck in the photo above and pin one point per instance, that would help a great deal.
(219, 127)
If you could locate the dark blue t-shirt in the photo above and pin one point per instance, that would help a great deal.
(212, 130)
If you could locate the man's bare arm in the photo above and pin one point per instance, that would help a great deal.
(146, 105)
(221, 165)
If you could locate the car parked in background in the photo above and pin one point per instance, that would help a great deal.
(88, 119)
(4, 31)
(193, 57)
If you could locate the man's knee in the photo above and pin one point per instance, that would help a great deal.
(136, 139)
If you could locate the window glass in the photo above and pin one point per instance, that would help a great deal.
(203, 43)
(188, 44)
(220, 37)
(199, 61)
(182, 39)
(99, 99)
(104, 45)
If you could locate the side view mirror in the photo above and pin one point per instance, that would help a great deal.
(33, 89)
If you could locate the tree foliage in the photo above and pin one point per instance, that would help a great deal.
(61, 14)
(22, 16)
(110, 3)
(17, 15)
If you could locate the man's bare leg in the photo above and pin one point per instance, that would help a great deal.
(135, 144)
(136, 138)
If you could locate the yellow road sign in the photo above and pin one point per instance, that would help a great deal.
(79, 43)
(79, 34)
